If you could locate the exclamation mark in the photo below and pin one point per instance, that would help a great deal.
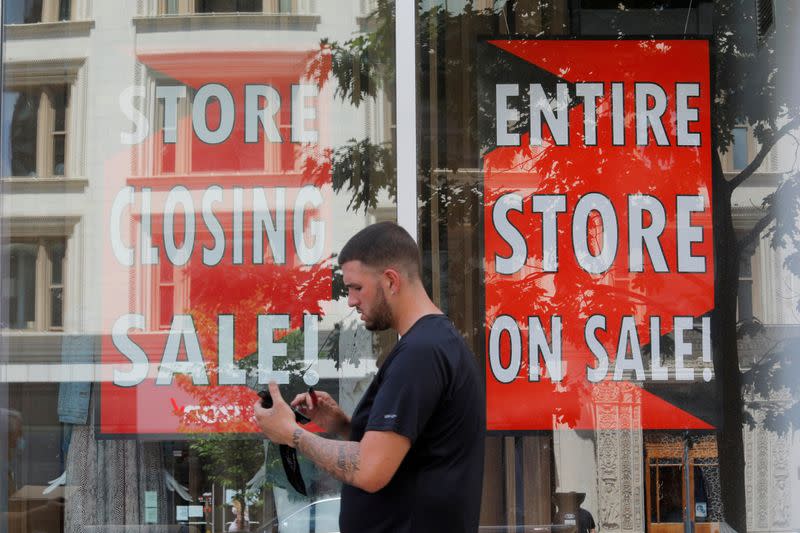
(708, 374)
(310, 349)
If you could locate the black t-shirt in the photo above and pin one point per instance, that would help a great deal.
(429, 390)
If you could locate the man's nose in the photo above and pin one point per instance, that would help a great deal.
(351, 300)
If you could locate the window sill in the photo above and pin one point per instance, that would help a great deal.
(14, 184)
(208, 21)
(32, 346)
(66, 28)
(758, 179)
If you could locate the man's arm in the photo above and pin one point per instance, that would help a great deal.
(324, 412)
(368, 465)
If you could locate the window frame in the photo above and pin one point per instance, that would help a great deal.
(69, 230)
(43, 282)
(27, 75)
(45, 129)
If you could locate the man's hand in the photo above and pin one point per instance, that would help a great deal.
(325, 412)
(278, 423)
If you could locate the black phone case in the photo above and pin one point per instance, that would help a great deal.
(288, 454)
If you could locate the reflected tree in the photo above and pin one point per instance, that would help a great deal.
(753, 77)
(750, 76)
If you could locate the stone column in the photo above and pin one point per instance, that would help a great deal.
(619, 458)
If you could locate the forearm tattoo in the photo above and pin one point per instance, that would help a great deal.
(342, 460)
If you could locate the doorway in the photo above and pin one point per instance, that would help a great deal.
(682, 483)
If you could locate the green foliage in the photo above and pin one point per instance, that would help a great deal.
(230, 460)
(363, 169)
(365, 63)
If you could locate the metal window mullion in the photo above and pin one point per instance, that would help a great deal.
(406, 115)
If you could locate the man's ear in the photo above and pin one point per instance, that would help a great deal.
(393, 280)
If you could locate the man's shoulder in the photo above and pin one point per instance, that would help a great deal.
(433, 331)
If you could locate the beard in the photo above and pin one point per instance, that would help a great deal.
(381, 317)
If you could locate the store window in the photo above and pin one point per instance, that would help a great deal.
(586, 216)
(593, 443)
(210, 167)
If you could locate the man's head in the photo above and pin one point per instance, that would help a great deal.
(383, 245)
(377, 262)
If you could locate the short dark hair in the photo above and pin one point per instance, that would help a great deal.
(383, 245)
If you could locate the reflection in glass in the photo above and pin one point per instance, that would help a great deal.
(22, 290)
(56, 307)
(57, 262)
(740, 151)
(59, 147)
(22, 129)
(22, 12)
(227, 6)
(668, 503)
(59, 97)
(64, 9)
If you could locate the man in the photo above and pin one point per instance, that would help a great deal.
(413, 458)
(571, 513)
(585, 521)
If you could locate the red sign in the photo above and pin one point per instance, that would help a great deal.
(217, 244)
(598, 232)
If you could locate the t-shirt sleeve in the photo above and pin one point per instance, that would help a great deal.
(409, 393)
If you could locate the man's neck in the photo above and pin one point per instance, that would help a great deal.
(412, 306)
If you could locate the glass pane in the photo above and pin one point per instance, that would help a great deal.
(22, 12)
(166, 303)
(516, 119)
(20, 125)
(166, 272)
(228, 6)
(59, 155)
(56, 251)
(670, 494)
(22, 286)
(740, 151)
(60, 100)
(700, 496)
(654, 492)
(234, 160)
(64, 9)
(168, 7)
(745, 300)
(636, 4)
(56, 307)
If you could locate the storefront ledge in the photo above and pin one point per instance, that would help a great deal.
(203, 181)
(32, 347)
(759, 179)
(216, 21)
(49, 30)
(21, 185)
